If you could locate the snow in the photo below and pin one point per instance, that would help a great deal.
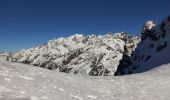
(92, 96)
(61, 89)
(157, 57)
(52, 85)
(95, 56)
(78, 54)
(26, 77)
(150, 24)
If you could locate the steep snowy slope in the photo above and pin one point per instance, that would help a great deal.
(23, 82)
(78, 54)
(154, 48)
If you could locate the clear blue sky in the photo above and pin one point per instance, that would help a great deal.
(28, 23)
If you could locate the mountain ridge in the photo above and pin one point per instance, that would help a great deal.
(153, 49)
(88, 55)
(102, 55)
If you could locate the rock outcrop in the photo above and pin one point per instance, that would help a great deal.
(153, 50)
(87, 55)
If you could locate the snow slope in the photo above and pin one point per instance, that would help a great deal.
(24, 82)
(153, 50)
(86, 55)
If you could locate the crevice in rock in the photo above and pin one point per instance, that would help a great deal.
(124, 63)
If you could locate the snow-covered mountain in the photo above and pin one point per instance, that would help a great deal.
(153, 50)
(110, 54)
(78, 54)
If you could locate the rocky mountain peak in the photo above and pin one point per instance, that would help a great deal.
(109, 54)
(79, 54)
(148, 29)
(149, 25)
(153, 50)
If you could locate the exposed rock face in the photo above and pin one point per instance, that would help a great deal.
(148, 29)
(78, 54)
(148, 26)
(129, 47)
(124, 63)
(153, 50)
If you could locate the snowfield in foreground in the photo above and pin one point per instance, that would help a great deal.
(24, 82)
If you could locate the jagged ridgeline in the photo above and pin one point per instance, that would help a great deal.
(110, 54)
(87, 55)
(153, 50)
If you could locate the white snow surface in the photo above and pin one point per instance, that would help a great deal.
(25, 82)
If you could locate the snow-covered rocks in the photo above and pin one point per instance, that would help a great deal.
(148, 25)
(4, 56)
(148, 29)
(153, 50)
(78, 54)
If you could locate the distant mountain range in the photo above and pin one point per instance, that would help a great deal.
(103, 55)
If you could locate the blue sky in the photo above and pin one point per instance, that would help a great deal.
(28, 23)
